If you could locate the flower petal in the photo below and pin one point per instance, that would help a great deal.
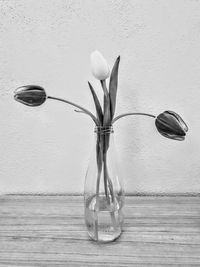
(171, 125)
(183, 124)
(30, 95)
(99, 66)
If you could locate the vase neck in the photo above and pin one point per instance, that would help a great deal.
(103, 130)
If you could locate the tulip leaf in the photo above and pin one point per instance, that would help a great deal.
(113, 86)
(80, 111)
(97, 104)
(84, 110)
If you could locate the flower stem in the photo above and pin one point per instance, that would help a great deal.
(97, 204)
(75, 105)
(132, 113)
(106, 108)
(105, 178)
(99, 170)
(109, 192)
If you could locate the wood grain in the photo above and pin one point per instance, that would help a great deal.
(50, 231)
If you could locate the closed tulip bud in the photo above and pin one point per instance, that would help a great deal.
(30, 95)
(171, 125)
(99, 66)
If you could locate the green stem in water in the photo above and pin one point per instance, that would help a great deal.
(97, 203)
(99, 169)
(77, 106)
(105, 178)
(109, 187)
(132, 113)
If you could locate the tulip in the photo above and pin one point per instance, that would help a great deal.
(30, 95)
(171, 125)
(99, 66)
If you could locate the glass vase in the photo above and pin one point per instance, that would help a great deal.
(103, 191)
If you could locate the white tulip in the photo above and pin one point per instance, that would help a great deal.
(99, 66)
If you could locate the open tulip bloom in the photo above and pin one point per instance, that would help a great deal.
(169, 124)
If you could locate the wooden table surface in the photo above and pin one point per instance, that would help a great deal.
(49, 231)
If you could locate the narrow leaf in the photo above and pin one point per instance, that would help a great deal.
(97, 104)
(80, 111)
(96, 121)
(113, 86)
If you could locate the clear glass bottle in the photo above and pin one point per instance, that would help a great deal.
(103, 192)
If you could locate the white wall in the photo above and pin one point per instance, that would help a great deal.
(48, 42)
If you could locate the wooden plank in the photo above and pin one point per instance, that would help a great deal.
(50, 231)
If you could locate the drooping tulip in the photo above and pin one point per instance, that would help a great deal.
(171, 125)
(30, 95)
(99, 66)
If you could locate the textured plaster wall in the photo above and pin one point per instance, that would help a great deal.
(48, 42)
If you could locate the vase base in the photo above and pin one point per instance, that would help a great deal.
(104, 238)
(104, 224)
